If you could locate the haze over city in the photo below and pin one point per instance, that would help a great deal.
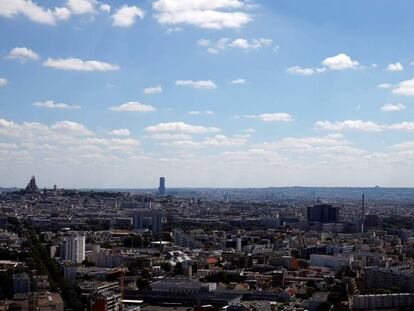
(223, 93)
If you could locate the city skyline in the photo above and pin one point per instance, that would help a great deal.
(228, 93)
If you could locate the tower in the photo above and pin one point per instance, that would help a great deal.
(161, 188)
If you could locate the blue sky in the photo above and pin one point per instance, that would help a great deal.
(215, 93)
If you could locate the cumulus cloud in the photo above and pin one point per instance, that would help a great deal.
(62, 13)
(392, 107)
(32, 11)
(65, 142)
(132, 107)
(395, 67)
(120, 132)
(239, 43)
(364, 126)
(272, 117)
(23, 54)
(202, 13)
(405, 88)
(3, 82)
(356, 125)
(153, 90)
(181, 127)
(402, 126)
(307, 144)
(104, 7)
(81, 6)
(340, 62)
(50, 104)
(72, 128)
(169, 137)
(238, 81)
(76, 64)
(202, 84)
(252, 44)
(224, 141)
(126, 15)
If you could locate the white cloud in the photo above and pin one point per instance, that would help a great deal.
(384, 86)
(72, 128)
(126, 15)
(395, 67)
(203, 42)
(169, 137)
(133, 107)
(250, 45)
(76, 64)
(62, 13)
(392, 107)
(272, 117)
(402, 126)
(22, 53)
(214, 14)
(81, 6)
(104, 7)
(224, 141)
(153, 90)
(32, 11)
(202, 84)
(3, 82)
(405, 88)
(356, 125)
(403, 146)
(365, 126)
(297, 70)
(49, 104)
(306, 144)
(340, 62)
(238, 81)
(120, 132)
(181, 127)
(196, 112)
(240, 43)
(65, 142)
(174, 29)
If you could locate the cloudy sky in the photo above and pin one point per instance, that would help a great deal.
(233, 93)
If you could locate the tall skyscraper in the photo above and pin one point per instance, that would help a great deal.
(161, 189)
(323, 213)
(74, 247)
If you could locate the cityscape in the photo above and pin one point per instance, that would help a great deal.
(207, 249)
(206, 155)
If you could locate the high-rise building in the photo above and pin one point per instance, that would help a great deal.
(161, 188)
(150, 219)
(323, 213)
(73, 247)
